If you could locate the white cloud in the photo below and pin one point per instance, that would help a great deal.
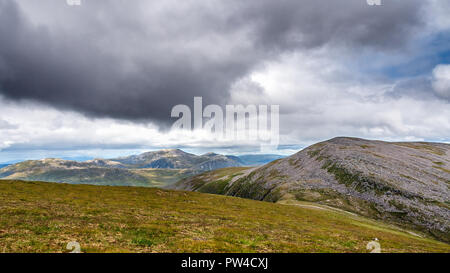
(45, 128)
(42, 127)
(441, 81)
(437, 14)
(5, 125)
(321, 99)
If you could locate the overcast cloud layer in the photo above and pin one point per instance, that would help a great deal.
(335, 67)
(135, 60)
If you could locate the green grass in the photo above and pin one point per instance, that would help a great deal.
(107, 176)
(44, 217)
(442, 169)
(422, 146)
(217, 187)
(162, 177)
(365, 146)
(215, 181)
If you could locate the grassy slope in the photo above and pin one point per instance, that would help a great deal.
(220, 180)
(43, 217)
(106, 176)
(162, 177)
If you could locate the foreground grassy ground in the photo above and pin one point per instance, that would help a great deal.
(44, 217)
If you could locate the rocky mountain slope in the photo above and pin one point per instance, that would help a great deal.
(405, 183)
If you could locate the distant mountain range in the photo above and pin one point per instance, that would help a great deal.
(178, 159)
(406, 183)
(158, 168)
(258, 160)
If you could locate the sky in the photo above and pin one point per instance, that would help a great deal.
(100, 79)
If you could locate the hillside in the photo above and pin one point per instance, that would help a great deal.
(97, 172)
(403, 183)
(44, 217)
(155, 169)
(178, 159)
(151, 169)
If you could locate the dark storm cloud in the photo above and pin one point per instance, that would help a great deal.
(292, 24)
(135, 60)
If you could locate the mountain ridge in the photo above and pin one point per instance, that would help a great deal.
(178, 159)
(154, 168)
(402, 182)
